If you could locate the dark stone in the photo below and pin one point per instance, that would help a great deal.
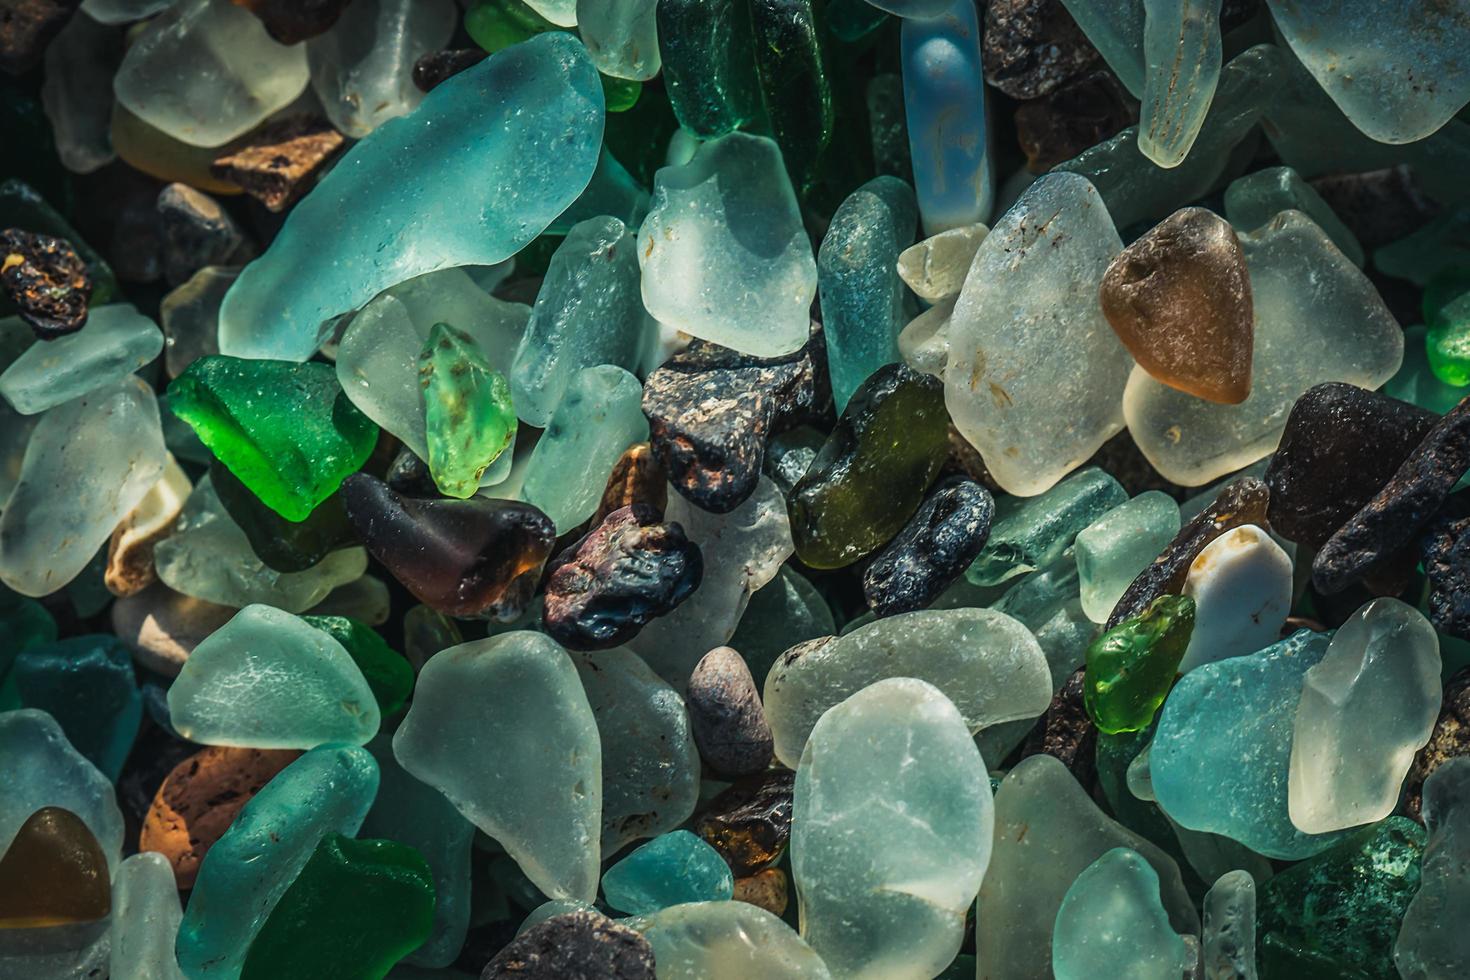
(1121, 459)
(1067, 733)
(726, 715)
(46, 280)
(1450, 739)
(1341, 445)
(1445, 550)
(436, 66)
(711, 411)
(790, 454)
(475, 557)
(1378, 206)
(1393, 518)
(627, 571)
(27, 27)
(581, 945)
(933, 549)
(290, 21)
(196, 232)
(135, 242)
(286, 546)
(282, 160)
(410, 476)
(636, 478)
(1031, 47)
(1061, 124)
(1240, 503)
(750, 823)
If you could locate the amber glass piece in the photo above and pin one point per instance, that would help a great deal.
(636, 478)
(53, 874)
(750, 823)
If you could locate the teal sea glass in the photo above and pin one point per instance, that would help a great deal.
(1112, 924)
(87, 684)
(671, 869)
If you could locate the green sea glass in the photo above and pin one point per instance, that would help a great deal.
(87, 684)
(790, 65)
(726, 941)
(1032, 532)
(468, 417)
(1182, 54)
(283, 545)
(786, 612)
(117, 341)
(1431, 942)
(356, 908)
(709, 64)
(1415, 382)
(1446, 307)
(1114, 548)
(24, 623)
(1131, 667)
(389, 676)
(247, 871)
(1112, 924)
(671, 869)
(1229, 938)
(268, 680)
(284, 429)
(1256, 198)
(536, 783)
(1440, 246)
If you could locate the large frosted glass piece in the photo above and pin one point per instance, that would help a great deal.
(726, 941)
(1111, 924)
(621, 36)
(207, 71)
(117, 341)
(145, 919)
(1181, 46)
(1035, 374)
(1365, 710)
(1116, 28)
(501, 726)
(1047, 831)
(724, 254)
(985, 662)
(362, 69)
(269, 680)
(1256, 198)
(944, 105)
(1432, 942)
(498, 151)
(1112, 550)
(1317, 318)
(1220, 757)
(589, 311)
(892, 825)
(87, 464)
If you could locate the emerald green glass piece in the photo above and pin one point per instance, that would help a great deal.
(87, 684)
(284, 546)
(639, 139)
(1336, 915)
(1113, 549)
(1112, 924)
(620, 94)
(389, 676)
(1131, 667)
(24, 623)
(285, 429)
(1256, 198)
(468, 417)
(243, 876)
(497, 24)
(873, 470)
(709, 64)
(358, 907)
(1416, 381)
(1032, 532)
(671, 869)
(789, 64)
(1447, 314)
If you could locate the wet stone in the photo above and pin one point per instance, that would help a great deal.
(1450, 739)
(27, 27)
(750, 823)
(1445, 552)
(47, 281)
(290, 21)
(476, 557)
(1378, 206)
(636, 478)
(628, 570)
(582, 945)
(1401, 508)
(1033, 46)
(934, 548)
(1078, 115)
(711, 411)
(195, 232)
(1341, 445)
(1180, 300)
(281, 161)
(767, 889)
(438, 66)
(1066, 732)
(726, 716)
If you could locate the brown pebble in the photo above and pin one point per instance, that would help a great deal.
(1449, 739)
(26, 27)
(767, 890)
(750, 823)
(46, 280)
(291, 21)
(1032, 47)
(281, 161)
(1179, 299)
(163, 626)
(200, 798)
(636, 478)
(726, 715)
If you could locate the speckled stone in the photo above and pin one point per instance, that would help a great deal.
(726, 716)
(933, 549)
(582, 945)
(768, 889)
(750, 823)
(1450, 739)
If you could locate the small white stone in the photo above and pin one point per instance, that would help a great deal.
(1241, 587)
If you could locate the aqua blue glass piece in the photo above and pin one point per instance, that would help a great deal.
(612, 192)
(589, 311)
(1222, 753)
(243, 876)
(671, 869)
(1256, 198)
(508, 143)
(87, 684)
(1032, 532)
(857, 279)
(944, 100)
(117, 341)
(1116, 29)
(1112, 924)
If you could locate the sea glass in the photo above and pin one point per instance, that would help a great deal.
(671, 869)
(189, 315)
(469, 420)
(708, 64)
(1113, 549)
(621, 36)
(726, 941)
(145, 919)
(1254, 199)
(1032, 532)
(54, 873)
(42, 769)
(935, 268)
(77, 93)
(1131, 667)
(796, 90)
(388, 675)
(1111, 923)
(118, 341)
(1182, 55)
(87, 684)
(1229, 936)
(1117, 30)
(788, 611)
(1429, 943)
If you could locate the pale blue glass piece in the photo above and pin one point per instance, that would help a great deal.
(117, 341)
(87, 684)
(599, 416)
(1229, 936)
(621, 36)
(944, 99)
(145, 919)
(671, 869)
(1222, 753)
(1116, 29)
(1032, 532)
(39, 768)
(326, 791)
(1432, 942)
(1256, 198)
(415, 813)
(612, 192)
(508, 143)
(1112, 924)
(1182, 51)
(857, 278)
(589, 311)
(1113, 549)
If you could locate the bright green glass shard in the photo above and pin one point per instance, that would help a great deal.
(389, 676)
(1132, 665)
(1447, 313)
(468, 415)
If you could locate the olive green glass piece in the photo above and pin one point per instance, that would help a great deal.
(1132, 665)
(467, 410)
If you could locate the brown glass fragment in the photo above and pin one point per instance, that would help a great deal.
(636, 478)
(1067, 733)
(750, 823)
(1449, 739)
(281, 161)
(53, 874)
(290, 21)
(1179, 299)
(437, 66)
(26, 27)
(46, 280)
(1082, 113)
(767, 890)
(1240, 503)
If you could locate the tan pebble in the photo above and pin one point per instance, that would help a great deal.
(163, 626)
(767, 890)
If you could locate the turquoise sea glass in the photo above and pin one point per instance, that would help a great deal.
(1113, 549)
(87, 684)
(671, 869)
(1032, 532)
(1111, 924)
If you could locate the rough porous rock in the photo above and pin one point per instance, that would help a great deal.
(1078, 115)
(711, 410)
(1031, 47)
(581, 945)
(437, 66)
(629, 569)
(279, 162)
(1066, 732)
(47, 281)
(1445, 551)
(1450, 739)
(726, 716)
(933, 549)
(767, 890)
(750, 823)
(27, 27)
